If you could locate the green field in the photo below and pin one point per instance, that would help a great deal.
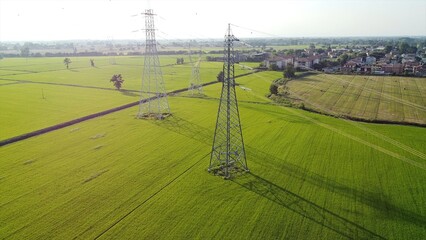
(117, 177)
(373, 98)
(41, 92)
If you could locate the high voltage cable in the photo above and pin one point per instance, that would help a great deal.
(253, 30)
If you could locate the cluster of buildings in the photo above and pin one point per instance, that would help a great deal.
(298, 62)
(390, 64)
(405, 64)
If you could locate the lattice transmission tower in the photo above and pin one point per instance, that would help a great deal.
(153, 103)
(228, 155)
(195, 85)
(111, 53)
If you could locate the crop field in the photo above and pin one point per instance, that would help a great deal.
(380, 98)
(40, 92)
(117, 177)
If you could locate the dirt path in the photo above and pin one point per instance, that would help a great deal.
(63, 84)
(85, 118)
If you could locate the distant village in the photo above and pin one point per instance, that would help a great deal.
(375, 56)
(367, 57)
(365, 60)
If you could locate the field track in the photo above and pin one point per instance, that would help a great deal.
(60, 84)
(85, 118)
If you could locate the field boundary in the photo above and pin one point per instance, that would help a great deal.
(95, 115)
(62, 84)
(329, 112)
(358, 119)
(88, 117)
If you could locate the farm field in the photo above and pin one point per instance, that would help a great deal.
(41, 92)
(117, 177)
(373, 98)
(53, 71)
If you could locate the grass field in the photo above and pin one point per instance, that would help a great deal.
(41, 92)
(398, 99)
(117, 177)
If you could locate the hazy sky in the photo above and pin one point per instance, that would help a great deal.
(112, 19)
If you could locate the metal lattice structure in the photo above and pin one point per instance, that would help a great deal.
(228, 155)
(153, 103)
(195, 85)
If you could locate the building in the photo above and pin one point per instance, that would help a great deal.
(350, 66)
(370, 60)
(280, 62)
(393, 68)
(307, 62)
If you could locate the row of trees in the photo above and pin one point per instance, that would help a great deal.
(116, 79)
(67, 62)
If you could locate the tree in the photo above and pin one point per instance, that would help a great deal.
(179, 61)
(342, 59)
(273, 89)
(377, 54)
(274, 67)
(289, 71)
(117, 81)
(403, 47)
(388, 48)
(412, 49)
(220, 76)
(67, 62)
(320, 50)
(318, 66)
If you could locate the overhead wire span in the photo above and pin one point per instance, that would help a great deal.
(257, 31)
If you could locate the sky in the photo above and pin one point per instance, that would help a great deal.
(38, 20)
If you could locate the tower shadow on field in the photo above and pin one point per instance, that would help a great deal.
(381, 203)
(304, 207)
(186, 128)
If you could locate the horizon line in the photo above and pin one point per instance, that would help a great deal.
(188, 39)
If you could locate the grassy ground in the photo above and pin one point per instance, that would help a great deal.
(30, 107)
(41, 92)
(312, 176)
(399, 99)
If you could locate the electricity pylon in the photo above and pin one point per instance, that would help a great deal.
(153, 103)
(112, 54)
(228, 155)
(195, 86)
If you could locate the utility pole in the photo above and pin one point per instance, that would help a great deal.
(195, 86)
(153, 103)
(228, 155)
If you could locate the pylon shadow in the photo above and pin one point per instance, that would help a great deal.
(186, 128)
(304, 207)
(374, 199)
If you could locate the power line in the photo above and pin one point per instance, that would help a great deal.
(253, 30)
